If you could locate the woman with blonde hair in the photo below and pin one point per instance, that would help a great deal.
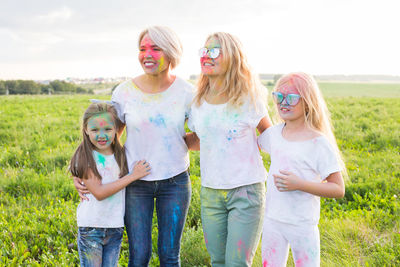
(305, 165)
(228, 108)
(154, 107)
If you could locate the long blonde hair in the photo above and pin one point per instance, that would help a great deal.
(83, 160)
(239, 82)
(316, 114)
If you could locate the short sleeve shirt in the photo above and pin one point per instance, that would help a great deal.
(109, 212)
(229, 155)
(311, 160)
(155, 126)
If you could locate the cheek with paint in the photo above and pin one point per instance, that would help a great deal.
(160, 63)
(205, 67)
(152, 55)
(150, 52)
(103, 124)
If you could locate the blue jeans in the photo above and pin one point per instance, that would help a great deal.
(99, 246)
(172, 202)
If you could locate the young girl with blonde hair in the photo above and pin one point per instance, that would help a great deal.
(305, 165)
(226, 112)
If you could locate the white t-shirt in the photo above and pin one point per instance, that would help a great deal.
(311, 160)
(229, 156)
(155, 126)
(109, 212)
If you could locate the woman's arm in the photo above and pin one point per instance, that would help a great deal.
(264, 124)
(333, 186)
(192, 141)
(101, 191)
(81, 188)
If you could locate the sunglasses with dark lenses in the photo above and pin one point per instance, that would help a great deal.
(291, 99)
(211, 52)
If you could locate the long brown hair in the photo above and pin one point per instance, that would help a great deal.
(239, 81)
(83, 160)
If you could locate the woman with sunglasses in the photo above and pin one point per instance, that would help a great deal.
(154, 107)
(305, 165)
(227, 110)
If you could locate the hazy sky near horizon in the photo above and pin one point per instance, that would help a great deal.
(56, 39)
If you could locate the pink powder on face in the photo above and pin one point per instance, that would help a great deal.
(148, 48)
(265, 263)
(287, 89)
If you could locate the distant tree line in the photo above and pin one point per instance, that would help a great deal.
(29, 87)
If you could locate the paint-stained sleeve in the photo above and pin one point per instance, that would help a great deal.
(188, 99)
(190, 122)
(118, 102)
(256, 113)
(327, 160)
(264, 140)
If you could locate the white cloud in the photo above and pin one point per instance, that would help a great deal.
(319, 36)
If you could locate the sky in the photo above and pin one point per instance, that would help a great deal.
(56, 39)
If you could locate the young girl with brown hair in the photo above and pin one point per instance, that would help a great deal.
(100, 161)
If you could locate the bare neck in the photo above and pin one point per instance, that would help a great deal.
(215, 96)
(154, 83)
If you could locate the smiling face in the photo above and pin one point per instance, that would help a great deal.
(101, 131)
(151, 57)
(288, 112)
(212, 66)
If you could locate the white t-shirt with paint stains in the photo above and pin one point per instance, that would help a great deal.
(155, 126)
(229, 155)
(311, 160)
(109, 212)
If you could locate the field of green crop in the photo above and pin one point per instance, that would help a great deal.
(38, 135)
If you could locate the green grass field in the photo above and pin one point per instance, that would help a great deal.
(38, 135)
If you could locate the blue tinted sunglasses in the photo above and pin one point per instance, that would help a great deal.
(211, 52)
(291, 99)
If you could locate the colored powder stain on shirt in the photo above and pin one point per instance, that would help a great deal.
(100, 159)
(167, 143)
(158, 120)
(231, 135)
(265, 263)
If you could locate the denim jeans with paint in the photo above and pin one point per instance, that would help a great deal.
(172, 198)
(99, 246)
(232, 223)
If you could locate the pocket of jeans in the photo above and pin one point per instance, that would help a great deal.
(120, 230)
(181, 179)
(85, 231)
(256, 194)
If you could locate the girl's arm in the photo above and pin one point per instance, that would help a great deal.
(192, 141)
(101, 191)
(333, 186)
(264, 124)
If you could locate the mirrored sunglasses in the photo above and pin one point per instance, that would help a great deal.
(291, 99)
(212, 52)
